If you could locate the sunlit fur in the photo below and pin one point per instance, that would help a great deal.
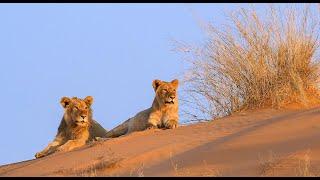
(162, 114)
(76, 127)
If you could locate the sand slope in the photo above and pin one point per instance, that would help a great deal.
(258, 143)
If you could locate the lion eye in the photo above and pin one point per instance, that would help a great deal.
(164, 90)
(76, 108)
(86, 107)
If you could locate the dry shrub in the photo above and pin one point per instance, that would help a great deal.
(255, 61)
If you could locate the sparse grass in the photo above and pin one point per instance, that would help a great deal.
(303, 168)
(293, 165)
(91, 170)
(267, 163)
(138, 171)
(254, 62)
(209, 172)
(206, 172)
(174, 165)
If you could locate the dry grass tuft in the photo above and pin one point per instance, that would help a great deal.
(174, 165)
(291, 165)
(205, 171)
(303, 168)
(267, 164)
(138, 171)
(91, 170)
(256, 61)
(210, 172)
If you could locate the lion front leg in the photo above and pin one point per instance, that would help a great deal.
(153, 121)
(171, 124)
(70, 145)
(49, 149)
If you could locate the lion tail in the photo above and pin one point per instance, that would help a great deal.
(119, 130)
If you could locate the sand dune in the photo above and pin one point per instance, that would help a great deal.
(254, 143)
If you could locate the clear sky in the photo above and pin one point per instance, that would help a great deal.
(109, 51)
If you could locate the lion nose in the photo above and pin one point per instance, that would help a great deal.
(83, 116)
(172, 97)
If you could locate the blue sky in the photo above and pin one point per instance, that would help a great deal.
(109, 51)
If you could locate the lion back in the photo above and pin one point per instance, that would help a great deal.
(96, 130)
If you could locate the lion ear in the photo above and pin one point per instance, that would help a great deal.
(88, 100)
(175, 82)
(156, 83)
(65, 101)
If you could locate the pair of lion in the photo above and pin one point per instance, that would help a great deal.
(77, 126)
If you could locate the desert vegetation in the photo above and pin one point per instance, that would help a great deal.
(272, 164)
(91, 170)
(255, 60)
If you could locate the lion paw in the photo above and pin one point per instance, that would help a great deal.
(151, 126)
(39, 155)
(60, 149)
(97, 138)
(172, 124)
(101, 138)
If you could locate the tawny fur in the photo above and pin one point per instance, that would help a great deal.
(162, 114)
(76, 127)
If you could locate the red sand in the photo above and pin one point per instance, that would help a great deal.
(255, 143)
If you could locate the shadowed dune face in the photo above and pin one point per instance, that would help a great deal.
(257, 143)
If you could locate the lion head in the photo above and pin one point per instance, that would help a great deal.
(166, 92)
(77, 111)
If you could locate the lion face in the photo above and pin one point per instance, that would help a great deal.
(166, 92)
(78, 110)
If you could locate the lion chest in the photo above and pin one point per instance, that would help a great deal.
(168, 115)
(78, 133)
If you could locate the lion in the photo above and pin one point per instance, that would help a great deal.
(162, 114)
(76, 127)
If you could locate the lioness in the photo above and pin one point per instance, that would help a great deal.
(162, 114)
(76, 127)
